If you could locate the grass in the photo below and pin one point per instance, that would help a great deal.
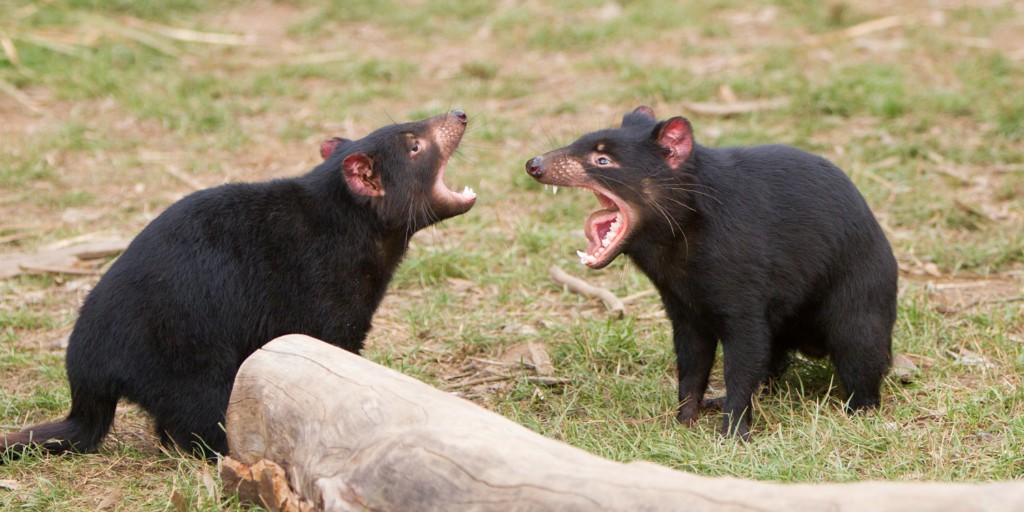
(925, 116)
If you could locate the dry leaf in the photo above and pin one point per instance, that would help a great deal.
(540, 358)
(903, 368)
(180, 502)
(111, 500)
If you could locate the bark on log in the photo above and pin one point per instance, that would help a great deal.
(353, 435)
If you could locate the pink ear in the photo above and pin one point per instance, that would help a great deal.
(645, 110)
(328, 146)
(360, 176)
(675, 137)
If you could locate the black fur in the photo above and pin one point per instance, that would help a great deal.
(767, 249)
(225, 270)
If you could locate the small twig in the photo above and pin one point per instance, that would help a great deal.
(501, 363)
(482, 380)
(498, 377)
(9, 49)
(14, 237)
(55, 270)
(139, 36)
(547, 381)
(184, 178)
(946, 170)
(862, 29)
(193, 36)
(20, 97)
(1005, 300)
(971, 210)
(1009, 168)
(319, 58)
(575, 284)
(630, 298)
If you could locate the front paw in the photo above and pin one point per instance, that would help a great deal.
(737, 429)
(688, 413)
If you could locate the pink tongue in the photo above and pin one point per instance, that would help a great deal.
(597, 226)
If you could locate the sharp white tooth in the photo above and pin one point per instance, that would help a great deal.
(554, 189)
(583, 257)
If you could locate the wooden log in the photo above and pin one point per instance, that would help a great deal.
(353, 435)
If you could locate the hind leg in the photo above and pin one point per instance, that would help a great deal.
(859, 344)
(747, 364)
(189, 413)
(197, 424)
(860, 353)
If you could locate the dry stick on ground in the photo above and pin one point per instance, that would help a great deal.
(61, 257)
(575, 284)
(182, 177)
(355, 435)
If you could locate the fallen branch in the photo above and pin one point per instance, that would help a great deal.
(343, 433)
(64, 257)
(577, 285)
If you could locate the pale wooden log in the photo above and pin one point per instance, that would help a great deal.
(353, 435)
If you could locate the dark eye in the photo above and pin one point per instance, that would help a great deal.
(603, 160)
(415, 147)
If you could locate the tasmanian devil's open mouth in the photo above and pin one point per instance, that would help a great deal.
(449, 134)
(459, 202)
(606, 229)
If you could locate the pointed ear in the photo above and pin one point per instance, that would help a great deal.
(675, 137)
(328, 146)
(642, 114)
(360, 175)
(646, 111)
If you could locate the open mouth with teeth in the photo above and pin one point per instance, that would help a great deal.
(456, 203)
(606, 230)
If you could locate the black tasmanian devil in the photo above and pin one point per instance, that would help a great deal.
(767, 249)
(225, 270)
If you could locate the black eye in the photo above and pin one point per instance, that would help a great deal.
(603, 160)
(415, 147)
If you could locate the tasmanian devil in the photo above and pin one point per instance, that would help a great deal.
(767, 249)
(227, 269)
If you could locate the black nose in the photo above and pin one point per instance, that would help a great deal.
(535, 167)
(461, 115)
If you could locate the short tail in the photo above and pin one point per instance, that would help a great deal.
(83, 429)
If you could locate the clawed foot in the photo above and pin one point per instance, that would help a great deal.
(688, 413)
